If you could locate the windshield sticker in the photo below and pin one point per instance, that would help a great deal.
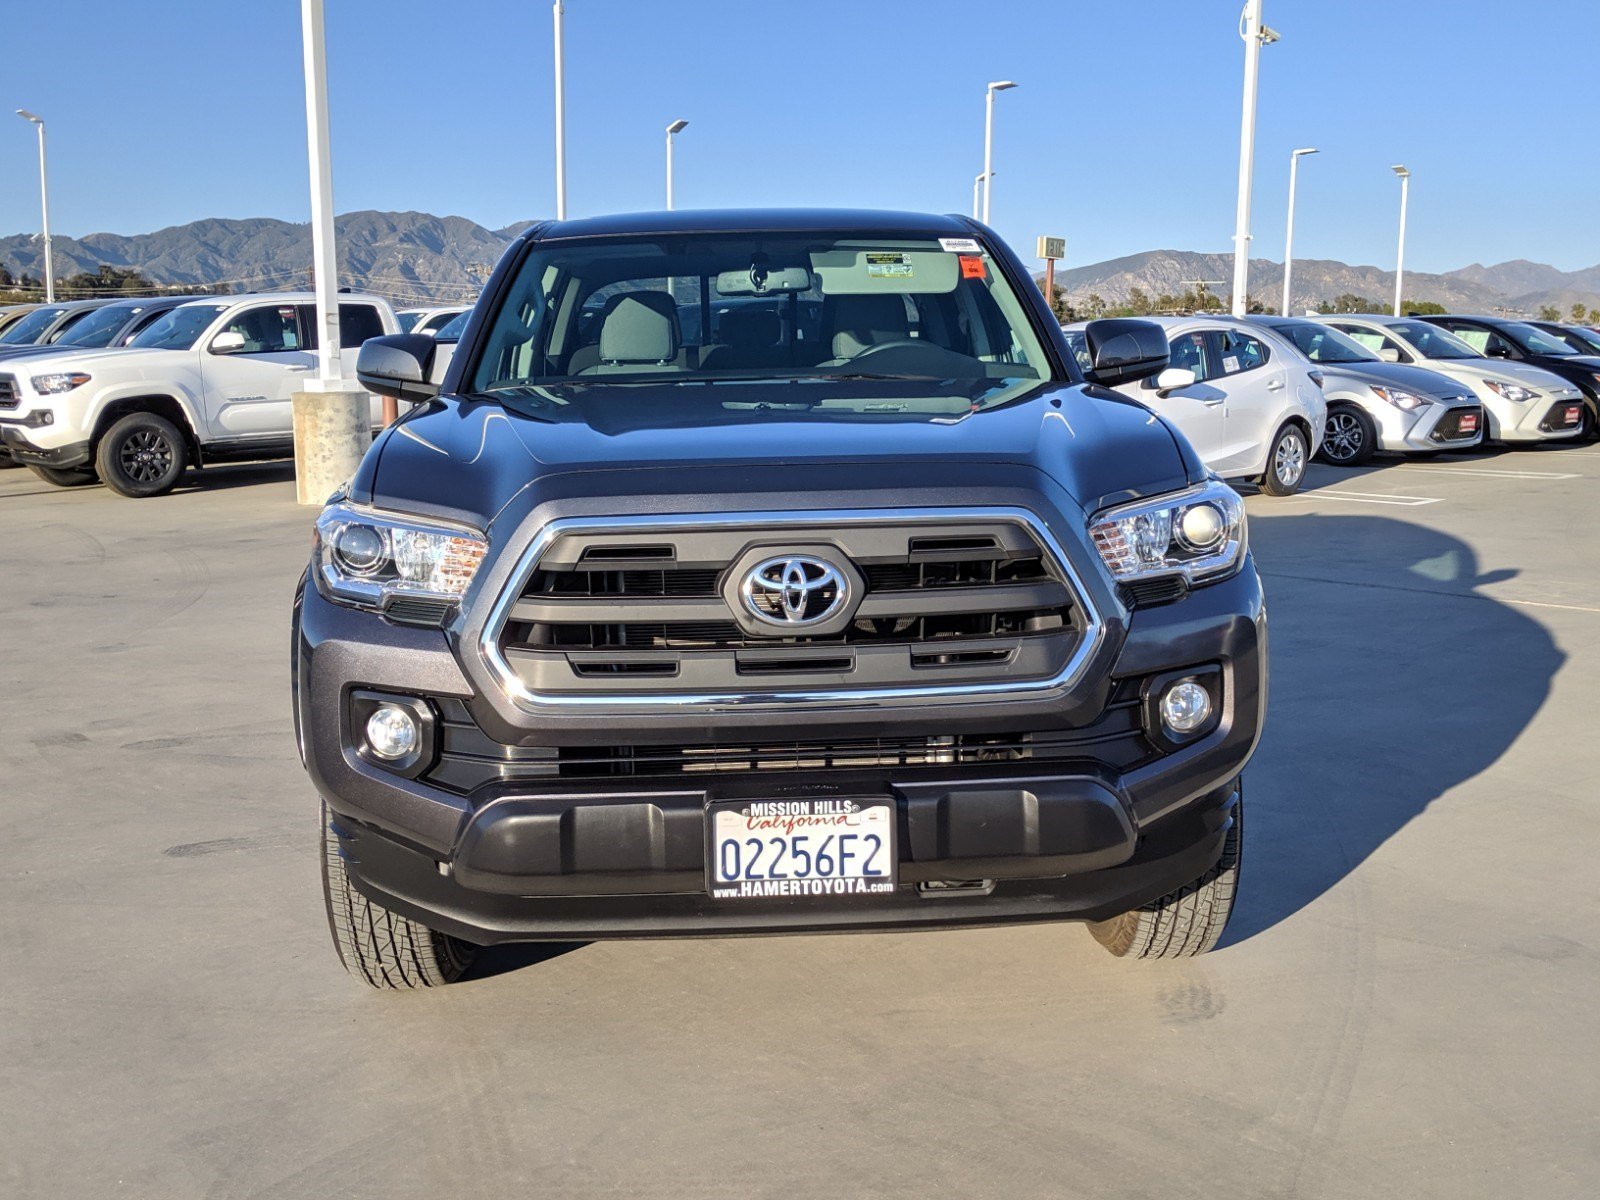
(971, 266)
(1230, 364)
(889, 266)
(961, 245)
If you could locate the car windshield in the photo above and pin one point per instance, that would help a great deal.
(1079, 345)
(452, 331)
(1323, 345)
(666, 311)
(179, 329)
(99, 327)
(31, 328)
(1432, 342)
(1584, 341)
(407, 320)
(1535, 340)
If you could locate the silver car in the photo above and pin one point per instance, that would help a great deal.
(1521, 403)
(1377, 405)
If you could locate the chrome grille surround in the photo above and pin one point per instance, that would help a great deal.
(488, 646)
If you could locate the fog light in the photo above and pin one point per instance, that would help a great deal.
(392, 733)
(1185, 707)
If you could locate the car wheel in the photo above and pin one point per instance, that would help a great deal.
(379, 947)
(65, 476)
(142, 454)
(1350, 438)
(1188, 921)
(1286, 462)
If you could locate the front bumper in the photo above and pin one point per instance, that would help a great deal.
(1435, 428)
(1083, 836)
(1539, 420)
(15, 437)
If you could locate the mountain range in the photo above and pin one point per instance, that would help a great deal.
(418, 257)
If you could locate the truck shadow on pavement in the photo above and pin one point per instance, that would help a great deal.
(1393, 679)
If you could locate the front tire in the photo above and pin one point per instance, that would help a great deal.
(65, 477)
(1286, 462)
(141, 455)
(1188, 921)
(1350, 438)
(379, 947)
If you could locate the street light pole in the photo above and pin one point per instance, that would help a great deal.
(561, 118)
(1288, 236)
(44, 204)
(675, 127)
(978, 181)
(1255, 35)
(988, 140)
(1400, 257)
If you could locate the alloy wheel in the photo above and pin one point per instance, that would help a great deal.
(145, 456)
(1289, 463)
(1343, 439)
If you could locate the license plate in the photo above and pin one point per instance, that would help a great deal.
(1572, 415)
(762, 849)
(1469, 423)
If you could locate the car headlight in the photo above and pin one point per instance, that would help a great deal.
(54, 385)
(1198, 533)
(1406, 401)
(1514, 392)
(365, 556)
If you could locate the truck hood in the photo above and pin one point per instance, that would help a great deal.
(140, 362)
(1098, 446)
(1422, 381)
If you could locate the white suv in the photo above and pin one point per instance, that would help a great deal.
(209, 381)
(1247, 400)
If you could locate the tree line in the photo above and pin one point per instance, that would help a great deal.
(24, 288)
(1141, 303)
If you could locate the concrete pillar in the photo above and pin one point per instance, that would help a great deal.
(332, 430)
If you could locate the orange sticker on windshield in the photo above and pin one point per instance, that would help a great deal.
(971, 266)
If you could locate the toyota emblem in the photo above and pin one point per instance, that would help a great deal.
(794, 591)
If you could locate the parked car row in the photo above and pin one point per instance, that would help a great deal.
(1259, 396)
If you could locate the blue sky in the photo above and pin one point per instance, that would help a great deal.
(1123, 136)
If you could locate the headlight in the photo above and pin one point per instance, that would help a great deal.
(1198, 533)
(1406, 401)
(52, 385)
(1511, 391)
(365, 556)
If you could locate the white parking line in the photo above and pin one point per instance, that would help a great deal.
(1491, 473)
(1367, 498)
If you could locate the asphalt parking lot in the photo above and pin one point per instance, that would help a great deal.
(1403, 1005)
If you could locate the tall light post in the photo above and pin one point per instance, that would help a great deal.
(561, 117)
(1400, 257)
(978, 181)
(1255, 35)
(988, 140)
(44, 204)
(1288, 236)
(676, 127)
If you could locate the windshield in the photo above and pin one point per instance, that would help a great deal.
(1536, 341)
(100, 326)
(1323, 345)
(31, 328)
(1584, 341)
(452, 331)
(756, 308)
(1432, 342)
(179, 329)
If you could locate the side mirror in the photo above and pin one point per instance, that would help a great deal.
(1124, 350)
(229, 341)
(1173, 378)
(1389, 354)
(1496, 352)
(398, 365)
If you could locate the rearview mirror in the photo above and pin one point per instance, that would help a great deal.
(759, 282)
(1124, 350)
(1389, 354)
(398, 365)
(229, 341)
(1173, 378)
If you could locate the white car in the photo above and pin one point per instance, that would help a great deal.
(427, 320)
(209, 381)
(1521, 402)
(1248, 402)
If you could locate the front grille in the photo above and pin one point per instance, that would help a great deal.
(469, 760)
(959, 601)
(1563, 415)
(9, 392)
(1449, 427)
